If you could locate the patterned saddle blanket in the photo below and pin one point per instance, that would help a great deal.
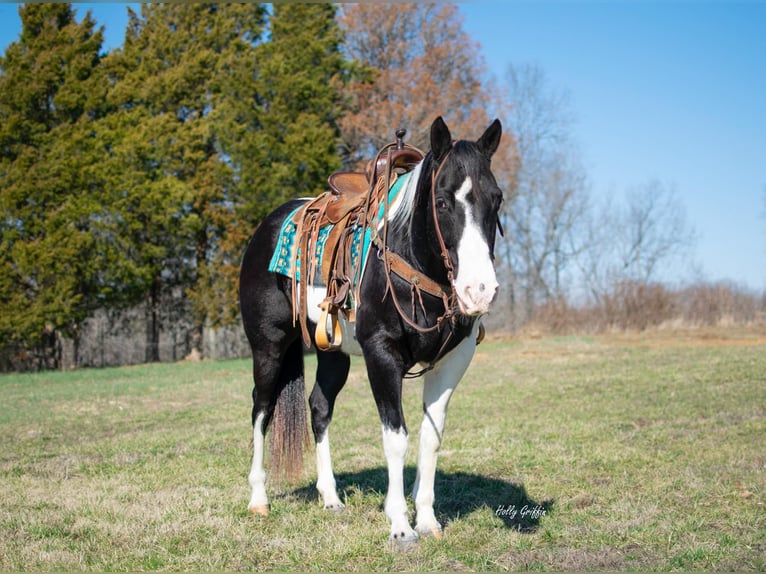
(286, 257)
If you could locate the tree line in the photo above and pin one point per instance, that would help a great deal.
(132, 179)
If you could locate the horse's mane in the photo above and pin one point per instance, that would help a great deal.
(403, 207)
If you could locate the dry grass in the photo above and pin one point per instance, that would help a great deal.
(636, 452)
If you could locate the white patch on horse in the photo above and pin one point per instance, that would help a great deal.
(315, 294)
(325, 477)
(438, 386)
(395, 443)
(259, 502)
(476, 282)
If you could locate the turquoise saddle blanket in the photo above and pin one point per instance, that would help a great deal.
(284, 262)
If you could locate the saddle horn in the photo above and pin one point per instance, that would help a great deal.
(400, 133)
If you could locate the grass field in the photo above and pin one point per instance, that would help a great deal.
(641, 452)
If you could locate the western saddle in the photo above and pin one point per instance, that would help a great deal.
(353, 200)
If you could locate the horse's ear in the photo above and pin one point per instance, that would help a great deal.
(490, 139)
(441, 139)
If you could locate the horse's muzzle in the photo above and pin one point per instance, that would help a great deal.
(475, 298)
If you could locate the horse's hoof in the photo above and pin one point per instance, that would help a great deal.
(431, 533)
(404, 541)
(259, 509)
(335, 508)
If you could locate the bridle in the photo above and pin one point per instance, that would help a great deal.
(446, 260)
(418, 281)
(396, 264)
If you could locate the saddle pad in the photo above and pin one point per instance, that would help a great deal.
(286, 257)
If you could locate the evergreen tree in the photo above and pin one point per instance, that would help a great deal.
(172, 179)
(50, 251)
(138, 176)
(279, 127)
(298, 91)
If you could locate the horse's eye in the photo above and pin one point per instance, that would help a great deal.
(441, 204)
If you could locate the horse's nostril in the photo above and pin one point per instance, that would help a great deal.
(482, 287)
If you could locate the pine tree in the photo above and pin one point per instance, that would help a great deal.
(138, 176)
(49, 248)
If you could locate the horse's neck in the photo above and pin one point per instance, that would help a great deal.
(414, 245)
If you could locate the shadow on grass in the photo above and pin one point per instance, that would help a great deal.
(456, 494)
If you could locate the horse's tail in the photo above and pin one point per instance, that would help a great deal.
(289, 425)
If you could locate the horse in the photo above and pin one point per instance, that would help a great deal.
(443, 226)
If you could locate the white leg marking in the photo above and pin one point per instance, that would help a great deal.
(476, 282)
(325, 476)
(437, 390)
(259, 502)
(395, 448)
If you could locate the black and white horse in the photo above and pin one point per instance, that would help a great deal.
(452, 193)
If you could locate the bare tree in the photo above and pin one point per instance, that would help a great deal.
(654, 231)
(637, 241)
(763, 214)
(415, 62)
(411, 64)
(547, 200)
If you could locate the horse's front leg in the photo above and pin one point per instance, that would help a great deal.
(385, 370)
(437, 390)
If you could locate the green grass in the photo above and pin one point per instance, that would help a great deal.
(637, 453)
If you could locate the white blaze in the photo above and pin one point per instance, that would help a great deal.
(476, 282)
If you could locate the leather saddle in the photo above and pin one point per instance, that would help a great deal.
(350, 188)
(352, 200)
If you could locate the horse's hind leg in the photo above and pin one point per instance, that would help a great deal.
(332, 372)
(266, 367)
(275, 341)
(275, 366)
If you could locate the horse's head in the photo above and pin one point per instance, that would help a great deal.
(465, 201)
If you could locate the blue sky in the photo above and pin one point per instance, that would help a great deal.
(674, 91)
(669, 90)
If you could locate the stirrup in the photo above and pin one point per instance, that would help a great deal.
(321, 335)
